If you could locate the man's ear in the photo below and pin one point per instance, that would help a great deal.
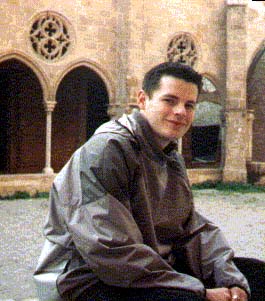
(141, 99)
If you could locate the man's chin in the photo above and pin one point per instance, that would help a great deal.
(176, 136)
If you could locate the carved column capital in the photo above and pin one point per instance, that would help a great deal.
(49, 106)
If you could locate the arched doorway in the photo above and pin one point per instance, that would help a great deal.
(202, 143)
(82, 103)
(22, 120)
(256, 102)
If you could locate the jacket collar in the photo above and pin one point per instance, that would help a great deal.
(139, 127)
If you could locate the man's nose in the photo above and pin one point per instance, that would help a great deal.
(179, 109)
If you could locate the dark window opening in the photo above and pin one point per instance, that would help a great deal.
(4, 129)
(205, 143)
(22, 120)
(82, 104)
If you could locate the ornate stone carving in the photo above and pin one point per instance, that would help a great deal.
(49, 36)
(182, 49)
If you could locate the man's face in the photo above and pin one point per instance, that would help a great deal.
(170, 110)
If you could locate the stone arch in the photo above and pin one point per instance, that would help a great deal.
(255, 57)
(256, 103)
(22, 116)
(41, 75)
(202, 144)
(106, 77)
(82, 102)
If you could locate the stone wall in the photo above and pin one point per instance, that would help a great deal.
(235, 150)
(124, 38)
(121, 39)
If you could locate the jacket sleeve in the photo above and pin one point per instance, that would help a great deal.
(217, 257)
(103, 228)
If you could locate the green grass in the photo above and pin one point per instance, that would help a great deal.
(24, 195)
(41, 195)
(229, 187)
(224, 187)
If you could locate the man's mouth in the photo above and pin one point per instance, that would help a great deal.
(177, 123)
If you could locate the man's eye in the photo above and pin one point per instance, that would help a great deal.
(190, 106)
(169, 100)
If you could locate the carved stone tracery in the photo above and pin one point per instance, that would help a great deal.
(182, 49)
(49, 36)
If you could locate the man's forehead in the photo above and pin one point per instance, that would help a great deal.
(179, 83)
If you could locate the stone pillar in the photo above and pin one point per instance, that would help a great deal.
(122, 38)
(49, 107)
(250, 119)
(235, 150)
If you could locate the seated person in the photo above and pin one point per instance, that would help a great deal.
(122, 223)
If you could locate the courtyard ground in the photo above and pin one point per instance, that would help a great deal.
(240, 216)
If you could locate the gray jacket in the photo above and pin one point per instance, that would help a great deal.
(119, 211)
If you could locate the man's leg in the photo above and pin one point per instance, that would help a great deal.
(102, 292)
(254, 271)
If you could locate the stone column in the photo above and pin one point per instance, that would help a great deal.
(250, 119)
(122, 38)
(49, 107)
(235, 150)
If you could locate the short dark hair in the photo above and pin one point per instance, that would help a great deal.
(152, 78)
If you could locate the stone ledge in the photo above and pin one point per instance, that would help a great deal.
(201, 175)
(31, 183)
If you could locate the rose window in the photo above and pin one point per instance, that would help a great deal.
(182, 49)
(49, 37)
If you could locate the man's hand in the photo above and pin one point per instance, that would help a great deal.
(218, 294)
(237, 294)
(226, 294)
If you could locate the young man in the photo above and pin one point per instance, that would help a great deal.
(122, 224)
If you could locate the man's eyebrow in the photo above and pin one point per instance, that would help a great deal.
(176, 97)
(170, 96)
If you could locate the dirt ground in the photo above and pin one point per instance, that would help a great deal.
(240, 216)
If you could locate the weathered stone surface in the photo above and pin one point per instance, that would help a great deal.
(120, 40)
